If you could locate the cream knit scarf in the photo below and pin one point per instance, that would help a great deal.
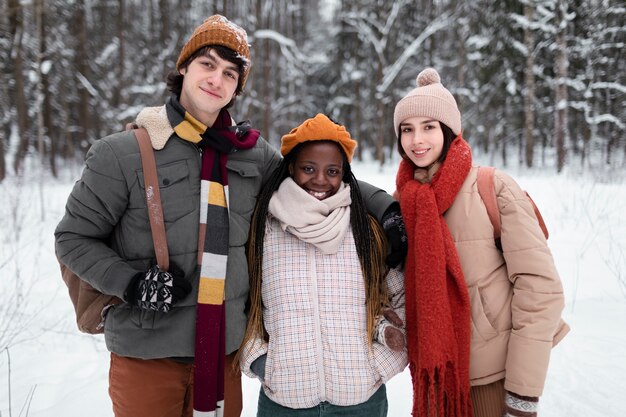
(322, 223)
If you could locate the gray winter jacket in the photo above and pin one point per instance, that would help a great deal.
(104, 236)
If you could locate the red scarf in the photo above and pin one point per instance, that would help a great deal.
(437, 300)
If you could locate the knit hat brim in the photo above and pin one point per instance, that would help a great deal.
(319, 128)
(218, 30)
(429, 99)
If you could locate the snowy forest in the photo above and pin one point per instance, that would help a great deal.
(539, 82)
(540, 85)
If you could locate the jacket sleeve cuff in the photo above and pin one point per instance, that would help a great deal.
(251, 351)
(523, 376)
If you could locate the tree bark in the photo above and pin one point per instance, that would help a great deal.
(85, 124)
(561, 65)
(51, 145)
(16, 26)
(121, 86)
(5, 98)
(529, 93)
(41, 128)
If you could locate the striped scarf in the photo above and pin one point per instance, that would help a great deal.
(216, 143)
(437, 300)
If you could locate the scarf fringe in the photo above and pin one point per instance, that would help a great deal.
(438, 392)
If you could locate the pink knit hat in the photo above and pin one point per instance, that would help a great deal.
(429, 99)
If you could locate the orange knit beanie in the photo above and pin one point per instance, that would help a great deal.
(218, 30)
(319, 128)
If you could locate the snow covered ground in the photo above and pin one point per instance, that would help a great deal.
(48, 368)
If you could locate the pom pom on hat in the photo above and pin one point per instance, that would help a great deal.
(319, 128)
(427, 77)
(429, 99)
(218, 30)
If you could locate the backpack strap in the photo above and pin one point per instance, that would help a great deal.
(539, 217)
(153, 198)
(487, 191)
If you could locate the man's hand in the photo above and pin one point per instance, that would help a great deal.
(393, 225)
(158, 290)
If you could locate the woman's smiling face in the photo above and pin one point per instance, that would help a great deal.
(318, 168)
(422, 140)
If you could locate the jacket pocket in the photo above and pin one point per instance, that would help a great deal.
(271, 366)
(175, 189)
(244, 178)
(244, 183)
(481, 326)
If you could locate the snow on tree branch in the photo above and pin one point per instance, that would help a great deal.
(392, 71)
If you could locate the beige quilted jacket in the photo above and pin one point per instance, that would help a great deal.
(516, 295)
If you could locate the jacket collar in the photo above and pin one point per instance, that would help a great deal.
(155, 120)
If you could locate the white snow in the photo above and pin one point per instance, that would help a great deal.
(57, 371)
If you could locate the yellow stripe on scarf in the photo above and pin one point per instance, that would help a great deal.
(211, 291)
(217, 196)
(190, 129)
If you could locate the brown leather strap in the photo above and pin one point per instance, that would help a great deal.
(487, 192)
(153, 198)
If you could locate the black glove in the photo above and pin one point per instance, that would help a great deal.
(158, 290)
(393, 225)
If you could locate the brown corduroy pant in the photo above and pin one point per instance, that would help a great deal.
(164, 387)
(488, 400)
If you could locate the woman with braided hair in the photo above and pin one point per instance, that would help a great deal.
(480, 320)
(317, 337)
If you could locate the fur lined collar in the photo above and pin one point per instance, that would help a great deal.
(155, 120)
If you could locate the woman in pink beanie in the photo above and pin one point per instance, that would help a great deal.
(481, 316)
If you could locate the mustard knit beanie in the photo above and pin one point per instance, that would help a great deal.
(218, 30)
(318, 128)
(429, 99)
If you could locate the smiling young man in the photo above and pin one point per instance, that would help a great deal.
(174, 337)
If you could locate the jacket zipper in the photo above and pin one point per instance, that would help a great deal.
(317, 324)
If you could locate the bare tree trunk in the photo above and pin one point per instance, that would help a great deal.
(529, 95)
(265, 59)
(41, 129)
(86, 122)
(69, 150)
(380, 113)
(117, 90)
(3, 137)
(612, 134)
(16, 25)
(51, 148)
(5, 97)
(560, 123)
(164, 16)
(358, 117)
